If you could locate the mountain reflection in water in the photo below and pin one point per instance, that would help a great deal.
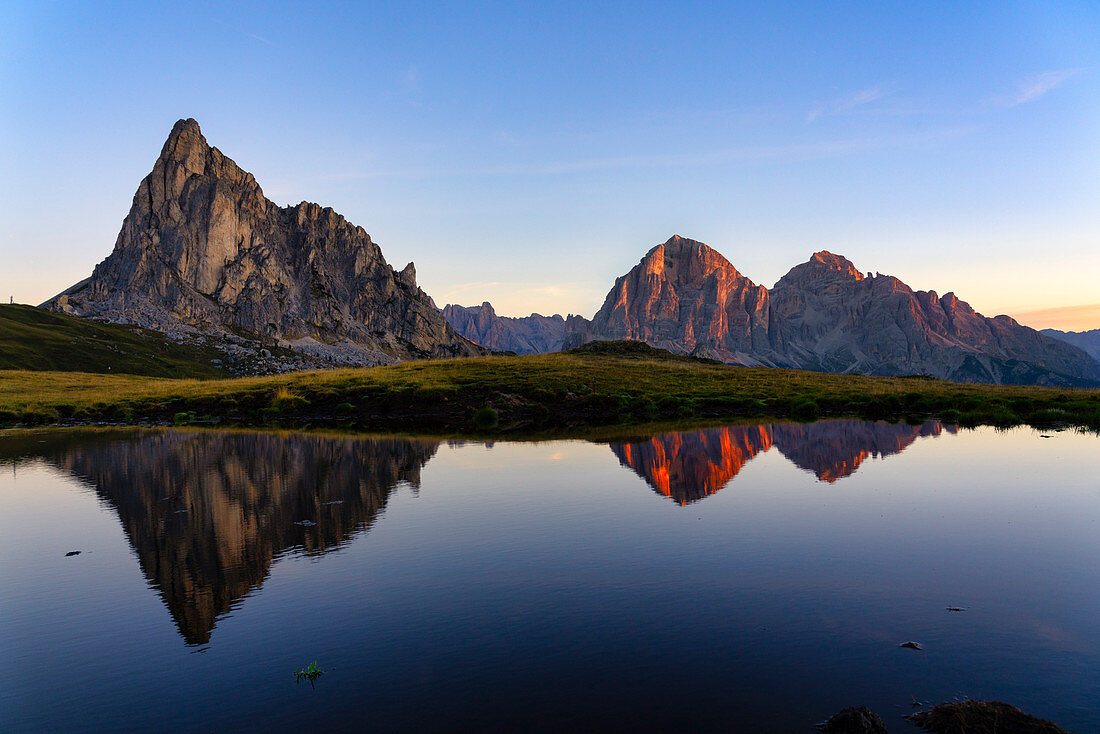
(208, 512)
(687, 466)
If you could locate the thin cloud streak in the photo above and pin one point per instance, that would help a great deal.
(1038, 85)
(846, 104)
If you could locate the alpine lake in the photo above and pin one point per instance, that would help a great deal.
(750, 578)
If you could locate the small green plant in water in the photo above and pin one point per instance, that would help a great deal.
(311, 673)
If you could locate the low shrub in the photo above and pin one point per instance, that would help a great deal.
(486, 418)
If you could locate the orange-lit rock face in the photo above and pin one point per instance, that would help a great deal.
(689, 466)
(684, 294)
(825, 315)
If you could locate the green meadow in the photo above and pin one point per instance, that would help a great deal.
(616, 384)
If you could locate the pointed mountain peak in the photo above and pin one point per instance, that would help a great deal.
(676, 241)
(822, 267)
(186, 145)
(681, 257)
(189, 125)
(677, 246)
(827, 260)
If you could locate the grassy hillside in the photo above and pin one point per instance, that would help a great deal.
(35, 339)
(532, 394)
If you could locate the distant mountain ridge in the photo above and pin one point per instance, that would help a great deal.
(204, 252)
(1086, 340)
(823, 315)
(534, 334)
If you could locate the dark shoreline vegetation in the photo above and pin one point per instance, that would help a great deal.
(600, 385)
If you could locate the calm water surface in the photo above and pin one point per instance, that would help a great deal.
(753, 578)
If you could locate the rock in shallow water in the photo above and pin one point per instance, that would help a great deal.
(854, 721)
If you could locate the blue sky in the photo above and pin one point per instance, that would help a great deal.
(529, 153)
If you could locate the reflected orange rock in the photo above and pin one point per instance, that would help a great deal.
(688, 466)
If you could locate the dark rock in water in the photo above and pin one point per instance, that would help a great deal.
(911, 645)
(72, 553)
(854, 721)
(981, 717)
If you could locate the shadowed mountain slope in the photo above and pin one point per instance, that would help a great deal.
(1087, 340)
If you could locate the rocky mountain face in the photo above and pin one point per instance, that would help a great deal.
(1087, 340)
(534, 334)
(203, 252)
(682, 296)
(824, 315)
(827, 316)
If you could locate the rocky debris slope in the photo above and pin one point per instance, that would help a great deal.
(534, 334)
(204, 253)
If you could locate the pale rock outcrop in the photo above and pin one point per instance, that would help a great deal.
(202, 251)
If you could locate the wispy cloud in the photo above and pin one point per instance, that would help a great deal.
(1037, 85)
(250, 34)
(260, 38)
(848, 103)
(1070, 318)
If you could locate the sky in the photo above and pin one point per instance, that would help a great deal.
(530, 153)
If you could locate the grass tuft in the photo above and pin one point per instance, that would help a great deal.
(311, 673)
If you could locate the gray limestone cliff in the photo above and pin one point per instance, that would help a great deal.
(203, 251)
